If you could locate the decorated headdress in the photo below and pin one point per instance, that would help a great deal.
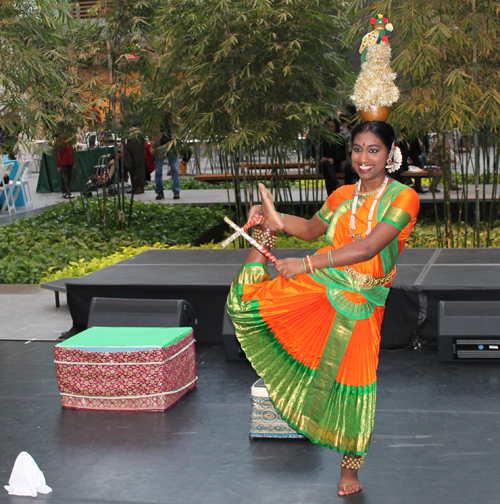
(375, 91)
(375, 88)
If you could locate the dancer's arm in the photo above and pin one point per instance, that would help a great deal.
(352, 253)
(305, 229)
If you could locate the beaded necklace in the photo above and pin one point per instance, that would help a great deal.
(364, 195)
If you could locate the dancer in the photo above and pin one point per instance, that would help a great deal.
(315, 339)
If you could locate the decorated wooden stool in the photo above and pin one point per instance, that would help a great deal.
(265, 421)
(126, 368)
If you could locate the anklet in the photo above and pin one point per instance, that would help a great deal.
(352, 462)
(265, 237)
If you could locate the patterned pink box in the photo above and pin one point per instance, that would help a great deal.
(126, 368)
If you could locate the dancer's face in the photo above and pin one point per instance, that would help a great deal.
(369, 157)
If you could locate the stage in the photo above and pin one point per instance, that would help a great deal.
(434, 440)
(203, 277)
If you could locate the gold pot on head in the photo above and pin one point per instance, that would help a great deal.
(375, 114)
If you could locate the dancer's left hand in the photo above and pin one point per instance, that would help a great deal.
(288, 268)
(255, 211)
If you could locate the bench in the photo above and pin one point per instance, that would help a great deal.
(57, 286)
(258, 175)
(422, 174)
(286, 166)
(292, 173)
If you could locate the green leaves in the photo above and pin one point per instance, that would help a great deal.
(243, 62)
(30, 248)
(444, 55)
(40, 84)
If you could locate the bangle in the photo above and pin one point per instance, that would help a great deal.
(311, 265)
(303, 266)
(330, 260)
(311, 258)
(283, 219)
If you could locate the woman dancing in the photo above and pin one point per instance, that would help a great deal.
(313, 333)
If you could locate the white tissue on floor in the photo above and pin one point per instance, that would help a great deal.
(26, 478)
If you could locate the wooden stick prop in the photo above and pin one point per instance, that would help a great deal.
(256, 220)
(252, 242)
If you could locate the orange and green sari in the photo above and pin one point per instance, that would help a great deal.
(315, 340)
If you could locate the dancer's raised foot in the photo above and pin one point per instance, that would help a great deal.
(349, 482)
(273, 221)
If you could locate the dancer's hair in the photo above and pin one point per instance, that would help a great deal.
(381, 129)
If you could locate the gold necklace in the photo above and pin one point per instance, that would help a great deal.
(369, 193)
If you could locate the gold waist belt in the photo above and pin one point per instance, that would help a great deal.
(366, 281)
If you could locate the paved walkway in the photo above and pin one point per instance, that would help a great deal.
(29, 313)
(196, 197)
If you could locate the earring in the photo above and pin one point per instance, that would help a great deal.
(395, 159)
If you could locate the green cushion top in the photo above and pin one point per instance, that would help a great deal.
(130, 337)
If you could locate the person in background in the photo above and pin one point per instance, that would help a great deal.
(417, 157)
(136, 151)
(331, 156)
(149, 161)
(346, 127)
(5, 148)
(436, 142)
(64, 157)
(158, 147)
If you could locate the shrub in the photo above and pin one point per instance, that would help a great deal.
(65, 234)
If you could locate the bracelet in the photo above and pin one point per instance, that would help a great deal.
(330, 260)
(352, 462)
(311, 265)
(303, 266)
(283, 219)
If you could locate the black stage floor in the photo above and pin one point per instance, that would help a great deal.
(202, 277)
(435, 439)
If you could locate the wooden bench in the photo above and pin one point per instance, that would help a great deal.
(292, 173)
(422, 174)
(261, 175)
(295, 164)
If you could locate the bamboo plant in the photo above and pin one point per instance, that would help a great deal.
(447, 60)
(253, 76)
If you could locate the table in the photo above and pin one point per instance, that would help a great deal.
(49, 179)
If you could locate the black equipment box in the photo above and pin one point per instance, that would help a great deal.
(469, 331)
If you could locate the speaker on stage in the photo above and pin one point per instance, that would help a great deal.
(231, 344)
(469, 331)
(126, 312)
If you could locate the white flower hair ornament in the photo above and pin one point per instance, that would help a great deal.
(395, 159)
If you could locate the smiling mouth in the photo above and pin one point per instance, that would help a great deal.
(365, 167)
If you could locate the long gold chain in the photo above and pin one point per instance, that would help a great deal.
(358, 236)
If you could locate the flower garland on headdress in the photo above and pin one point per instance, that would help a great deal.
(375, 83)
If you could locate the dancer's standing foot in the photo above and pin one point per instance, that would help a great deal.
(349, 482)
